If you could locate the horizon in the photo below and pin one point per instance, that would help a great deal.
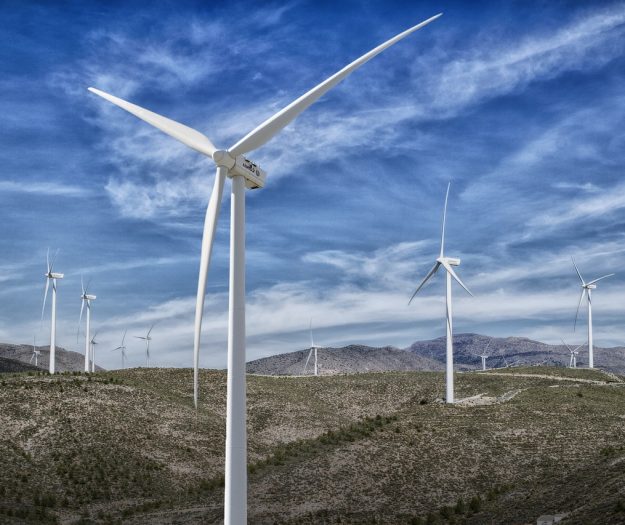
(525, 120)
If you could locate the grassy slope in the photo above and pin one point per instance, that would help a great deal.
(128, 445)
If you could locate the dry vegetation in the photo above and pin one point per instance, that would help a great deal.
(128, 447)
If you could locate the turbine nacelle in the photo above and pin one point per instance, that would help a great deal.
(54, 275)
(590, 286)
(451, 261)
(253, 174)
(88, 297)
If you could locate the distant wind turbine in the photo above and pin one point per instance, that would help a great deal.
(93, 345)
(51, 276)
(244, 173)
(122, 348)
(586, 289)
(574, 352)
(85, 298)
(447, 263)
(484, 355)
(36, 352)
(313, 348)
(147, 340)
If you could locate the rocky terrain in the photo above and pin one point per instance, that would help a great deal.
(128, 447)
(65, 360)
(430, 355)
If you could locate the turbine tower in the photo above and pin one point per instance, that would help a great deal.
(244, 173)
(147, 340)
(574, 352)
(313, 348)
(51, 276)
(93, 343)
(85, 299)
(447, 263)
(36, 352)
(123, 350)
(586, 290)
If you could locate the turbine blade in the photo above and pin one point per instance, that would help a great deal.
(56, 253)
(48, 259)
(45, 296)
(309, 354)
(444, 217)
(208, 237)
(82, 306)
(577, 270)
(564, 343)
(430, 273)
(188, 136)
(150, 330)
(274, 124)
(596, 280)
(453, 274)
(124, 337)
(82, 285)
(581, 298)
(312, 342)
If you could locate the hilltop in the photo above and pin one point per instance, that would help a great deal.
(127, 446)
(430, 356)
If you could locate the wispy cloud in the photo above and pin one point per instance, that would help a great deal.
(53, 189)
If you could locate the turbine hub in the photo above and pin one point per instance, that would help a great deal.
(222, 158)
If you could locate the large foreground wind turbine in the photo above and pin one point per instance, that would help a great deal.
(51, 276)
(447, 263)
(586, 289)
(147, 340)
(313, 349)
(244, 173)
(85, 298)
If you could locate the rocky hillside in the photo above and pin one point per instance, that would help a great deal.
(430, 355)
(65, 360)
(128, 447)
(349, 359)
(9, 366)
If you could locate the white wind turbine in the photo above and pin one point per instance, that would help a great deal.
(147, 340)
(313, 348)
(122, 348)
(574, 352)
(244, 173)
(51, 276)
(484, 355)
(447, 263)
(36, 352)
(93, 345)
(85, 298)
(586, 289)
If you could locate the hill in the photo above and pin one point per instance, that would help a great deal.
(13, 365)
(430, 356)
(127, 446)
(65, 360)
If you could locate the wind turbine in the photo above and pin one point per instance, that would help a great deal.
(313, 348)
(36, 352)
(484, 355)
(85, 299)
(51, 276)
(93, 343)
(586, 289)
(447, 263)
(244, 173)
(574, 352)
(123, 350)
(147, 340)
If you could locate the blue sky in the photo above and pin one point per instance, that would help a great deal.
(520, 104)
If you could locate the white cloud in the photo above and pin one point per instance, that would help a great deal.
(44, 188)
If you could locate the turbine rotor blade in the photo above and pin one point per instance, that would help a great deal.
(564, 343)
(56, 253)
(82, 306)
(444, 217)
(453, 274)
(312, 342)
(48, 260)
(577, 270)
(188, 136)
(309, 354)
(45, 296)
(427, 277)
(208, 237)
(596, 280)
(124, 337)
(265, 131)
(150, 330)
(581, 298)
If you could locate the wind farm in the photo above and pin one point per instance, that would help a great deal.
(196, 390)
